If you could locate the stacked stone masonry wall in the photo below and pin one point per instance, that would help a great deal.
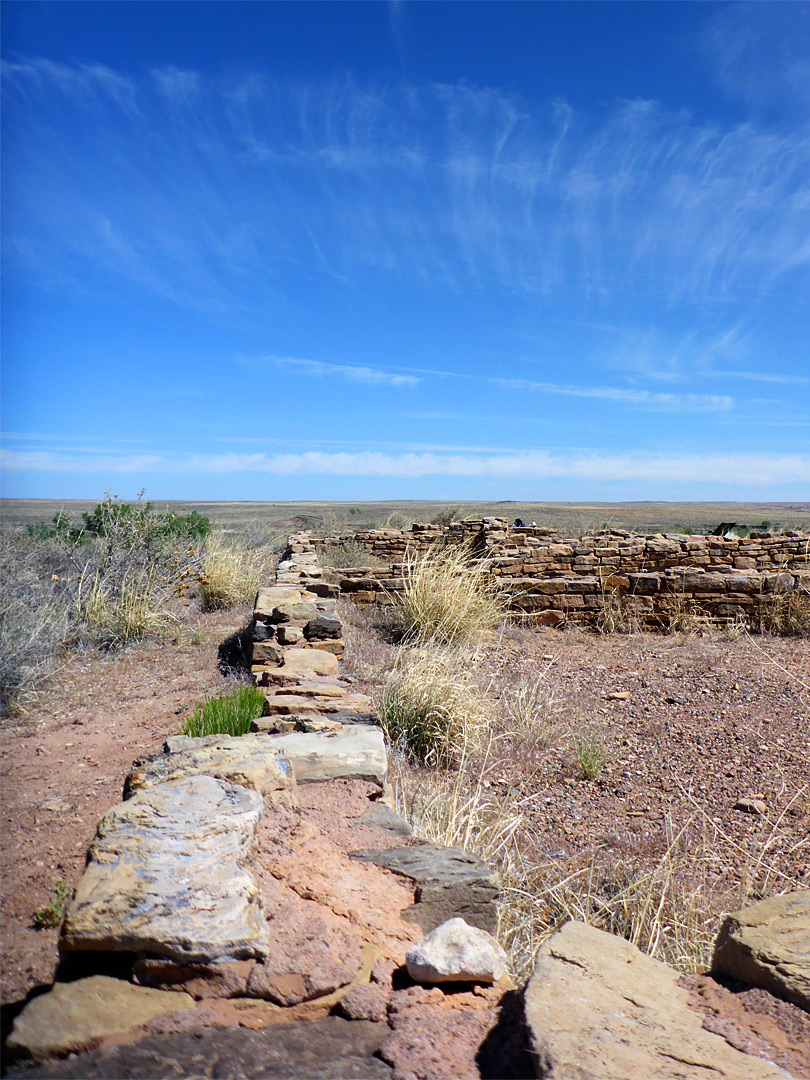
(656, 579)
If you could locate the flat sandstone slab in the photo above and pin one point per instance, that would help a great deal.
(243, 760)
(166, 875)
(76, 1016)
(768, 945)
(355, 752)
(306, 663)
(597, 1007)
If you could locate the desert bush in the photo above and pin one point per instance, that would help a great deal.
(448, 596)
(229, 714)
(430, 710)
(231, 574)
(37, 613)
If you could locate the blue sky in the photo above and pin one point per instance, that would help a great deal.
(406, 250)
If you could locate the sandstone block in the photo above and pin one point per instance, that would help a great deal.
(267, 599)
(768, 945)
(597, 1007)
(244, 760)
(166, 875)
(456, 952)
(322, 628)
(290, 635)
(76, 1016)
(356, 752)
(294, 612)
(267, 652)
(309, 663)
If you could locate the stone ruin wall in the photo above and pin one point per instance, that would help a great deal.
(552, 579)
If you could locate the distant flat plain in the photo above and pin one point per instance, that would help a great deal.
(572, 518)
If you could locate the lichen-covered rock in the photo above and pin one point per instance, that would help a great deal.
(167, 875)
(768, 945)
(245, 760)
(456, 952)
(76, 1016)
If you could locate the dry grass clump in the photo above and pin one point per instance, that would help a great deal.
(591, 751)
(787, 613)
(430, 710)
(448, 596)
(670, 912)
(614, 614)
(128, 610)
(36, 614)
(232, 573)
(460, 810)
(685, 616)
(528, 711)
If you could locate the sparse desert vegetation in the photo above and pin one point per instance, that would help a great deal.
(600, 772)
(119, 575)
(604, 774)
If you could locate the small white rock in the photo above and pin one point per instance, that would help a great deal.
(456, 952)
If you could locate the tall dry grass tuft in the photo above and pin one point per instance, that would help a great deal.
(127, 611)
(429, 708)
(787, 612)
(448, 597)
(232, 573)
(37, 614)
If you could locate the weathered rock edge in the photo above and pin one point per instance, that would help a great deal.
(768, 945)
(599, 1009)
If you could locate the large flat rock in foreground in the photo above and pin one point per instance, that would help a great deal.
(768, 945)
(328, 1049)
(354, 752)
(167, 876)
(598, 1009)
(76, 1016)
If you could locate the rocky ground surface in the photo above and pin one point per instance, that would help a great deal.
(695, 726)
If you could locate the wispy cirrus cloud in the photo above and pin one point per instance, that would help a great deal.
(319, 369)
(749, 470)
(450, 184)
(646, 399)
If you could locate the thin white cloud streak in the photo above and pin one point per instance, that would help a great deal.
(447, 184)
(320, 369)
(644, 398)
(763, 376)
(748, 470)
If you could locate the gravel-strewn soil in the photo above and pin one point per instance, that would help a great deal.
(706, 722)
(64, 762)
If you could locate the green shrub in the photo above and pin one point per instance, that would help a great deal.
(54, 911)
(113, 518)
(229, 714)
